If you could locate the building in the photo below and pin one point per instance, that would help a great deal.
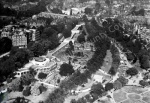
(39, 64)
(5, 34)
(19, 39)
(37, 36)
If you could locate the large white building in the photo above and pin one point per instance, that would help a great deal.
(41, 64)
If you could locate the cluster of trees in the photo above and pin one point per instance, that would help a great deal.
(5, 45)
(15, 85)
(132, 71)
(40, 7)
(133, 42)
(120, 82)
(17, 59)
(49, 36)
(116, 60)
(18, 84)
(97, 90)
(27, 90)
(48, 41)
(134, 12)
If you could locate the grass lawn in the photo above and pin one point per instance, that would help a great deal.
(107, 62)
(119, 96)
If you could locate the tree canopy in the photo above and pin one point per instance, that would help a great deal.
(5, 45)
(109, 86)
(97, 89)
(66, 69)
(132, 71)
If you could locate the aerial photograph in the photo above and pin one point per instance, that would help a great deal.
(74, 51)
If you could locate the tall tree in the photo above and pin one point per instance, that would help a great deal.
(97, 89)
(132, 71)
(66, 69)
(117, 85)
(108, 86)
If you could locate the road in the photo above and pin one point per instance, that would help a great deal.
(5, 54)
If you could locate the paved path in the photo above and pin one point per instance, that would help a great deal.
(5, 54)
(50, 85)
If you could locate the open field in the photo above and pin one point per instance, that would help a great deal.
(132, 94)
(107, 62)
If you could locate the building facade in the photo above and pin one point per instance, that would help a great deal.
(19, 39)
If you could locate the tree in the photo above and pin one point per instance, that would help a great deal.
(42, 88)
(56, 10)
(71, 45)
(112, 71)
(132, 71)
(27, 92)
(117, 85)
(48, 32)
(66, 33)
(5, 70)
(143, 83)
(108, 2)
(81, 100)
(97, 89)
(81, 38)
(123, 80)
(108, 86)
(37, 49)
(42, 75)
(27, 79)
(82, 1)
(88, 11)
(73, 101)
(23, 56)
(66, 69)
(97, 7)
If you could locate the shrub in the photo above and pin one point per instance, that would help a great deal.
(42, 75)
